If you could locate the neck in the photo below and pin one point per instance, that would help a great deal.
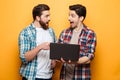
(36, 23)
(79, 27)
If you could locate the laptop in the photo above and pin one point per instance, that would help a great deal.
(66, 51)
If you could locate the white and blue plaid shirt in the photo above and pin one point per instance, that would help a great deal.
(27, 41)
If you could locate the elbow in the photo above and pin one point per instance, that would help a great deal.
(23, 59)
(90, 56)
(27, 58)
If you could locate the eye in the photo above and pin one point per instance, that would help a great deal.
(47, 15)
(72, 15)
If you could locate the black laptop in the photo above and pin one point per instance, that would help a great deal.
(66, 51)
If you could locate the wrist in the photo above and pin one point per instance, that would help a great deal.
(39, 47)
(79, 61)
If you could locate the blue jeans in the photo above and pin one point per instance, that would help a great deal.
(37, 79)
(42, 79)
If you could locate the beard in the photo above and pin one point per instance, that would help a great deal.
(43, 24)
(72, 28)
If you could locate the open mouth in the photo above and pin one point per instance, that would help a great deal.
(71, 23)
(47, 23)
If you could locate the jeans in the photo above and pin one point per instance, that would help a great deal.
(37, 79)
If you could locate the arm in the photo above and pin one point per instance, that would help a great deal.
(28, 52)
(29, 55)
(88, 50)
(83, 60)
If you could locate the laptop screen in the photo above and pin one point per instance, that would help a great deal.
(65, 51)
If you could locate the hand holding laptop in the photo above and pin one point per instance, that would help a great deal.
(69, 61)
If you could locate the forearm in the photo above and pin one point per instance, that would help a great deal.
(83, 60)
(30, 55)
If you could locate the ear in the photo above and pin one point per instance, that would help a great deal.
(37, 18)
(81, 18)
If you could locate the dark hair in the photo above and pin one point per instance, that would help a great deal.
(37, 10)
(79, 9)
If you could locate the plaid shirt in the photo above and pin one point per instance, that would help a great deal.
(27, 41)
(87, 42)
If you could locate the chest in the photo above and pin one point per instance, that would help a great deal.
(43, 36)
(81, 38)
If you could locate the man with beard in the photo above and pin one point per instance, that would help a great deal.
(78, 33)
(34, 43)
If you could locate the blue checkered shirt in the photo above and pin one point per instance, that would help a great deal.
(27, 41)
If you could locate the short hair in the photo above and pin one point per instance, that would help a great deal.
(37, 10)
(79, 9)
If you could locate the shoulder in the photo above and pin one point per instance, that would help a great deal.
(66, 30)
(51, 29)
(88, 30)
(27, 31)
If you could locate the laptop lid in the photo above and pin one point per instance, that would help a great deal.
(66, 51)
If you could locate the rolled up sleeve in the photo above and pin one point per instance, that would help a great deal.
(88, 48)
(24, 46)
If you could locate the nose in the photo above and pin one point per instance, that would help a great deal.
(48, 18)
(69, 18)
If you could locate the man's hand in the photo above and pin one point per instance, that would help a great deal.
(45, 46)
(69, 61)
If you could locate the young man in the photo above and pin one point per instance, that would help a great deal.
(78, 33)
(34, 46)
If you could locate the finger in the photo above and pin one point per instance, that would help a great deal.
(47, 43)
(58, 60)
(69, 61)
(62, 59)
